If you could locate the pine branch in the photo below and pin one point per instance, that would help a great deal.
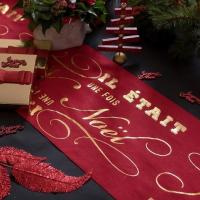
(177, 18)
(183, 16)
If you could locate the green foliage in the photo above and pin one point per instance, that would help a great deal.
(180, 18)
(49, 13)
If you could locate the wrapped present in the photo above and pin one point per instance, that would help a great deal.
(41, 66)
(16, 77)
(41, 49)
(4, 43)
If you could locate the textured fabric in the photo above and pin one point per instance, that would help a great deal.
(139, 144)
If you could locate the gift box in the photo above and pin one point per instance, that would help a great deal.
(41, 49)
(4, 43)
(41, 66)
(16, 78)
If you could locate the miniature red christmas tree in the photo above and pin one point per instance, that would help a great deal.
(125, 34)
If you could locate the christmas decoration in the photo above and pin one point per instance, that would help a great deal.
(54, 13)
(63, 23)
(174, 23)
(13, 63)
(16, 77)
(149, 75)
(12, 156)
(32, 173)
(6, 130)
(41, 66)
(190, 97)
(5, 184)
(125, 34)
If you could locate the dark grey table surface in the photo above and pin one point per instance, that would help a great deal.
(176, 77)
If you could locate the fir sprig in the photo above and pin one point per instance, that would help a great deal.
(181, 18)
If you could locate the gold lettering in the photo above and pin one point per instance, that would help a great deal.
(154, 113)
(46, 99)
(35, 110)
(166, 121)
(98, 124)
(115, 103)
(104, 77)
(96, 114)
(98, 90)
(11, 14)
(108, 133)
(105, 94)
(131, 96)
(94, 87)
(110, 98)
(90, 85)
(87, 135)
(143, 103)
(4, 8)
(178, 128)
(18, 17)
(42, 96)
(36, 92)
(112, 84)
(50, 102)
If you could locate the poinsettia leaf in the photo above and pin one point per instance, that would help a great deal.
(42, 177)
(5, 184)
(11, 156)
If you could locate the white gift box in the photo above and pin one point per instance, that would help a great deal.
(16, 76)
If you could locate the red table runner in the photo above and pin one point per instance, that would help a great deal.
(139, 144)
(12, 25)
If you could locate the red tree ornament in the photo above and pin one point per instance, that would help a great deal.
(34, 174)
(124, 34)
